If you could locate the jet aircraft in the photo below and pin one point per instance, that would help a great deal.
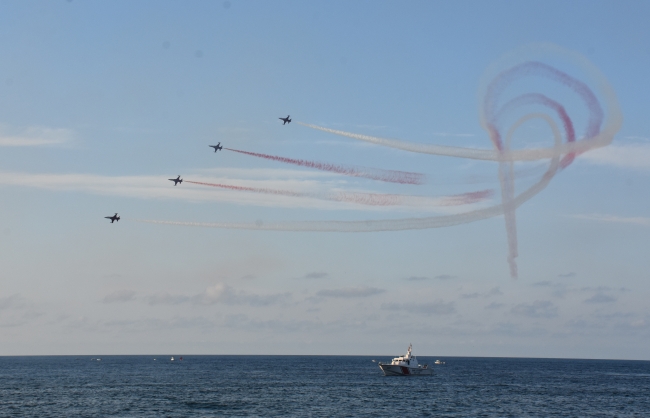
(177, 180)
(285, 120)
(216, 147)
(113, 218)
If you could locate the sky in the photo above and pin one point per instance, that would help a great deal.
(102, 102)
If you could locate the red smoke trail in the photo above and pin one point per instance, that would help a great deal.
(392, 176)
(370, 199)
(361, 198)
(250, 189)
(468, 198)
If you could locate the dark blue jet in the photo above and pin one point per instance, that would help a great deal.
(177, 180)
(113, 218)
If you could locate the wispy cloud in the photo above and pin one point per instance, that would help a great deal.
(600, 298)
(495, 291)
(164, 298)
(33, 136)
(119, 296)
(537, 309)
(438, 307)
(350, 292)
(567, 275)
(417, 278)
(545, 283)
(424, 278)
(16, 311)
(630, 156)
(12, 302)
(315, 275)
(240, 322)
(638, 220)
(222, 293)
(248, 277)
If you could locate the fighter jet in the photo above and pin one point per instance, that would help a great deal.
(177, 180)
(113, 218)
(216, 147)
(285, 120)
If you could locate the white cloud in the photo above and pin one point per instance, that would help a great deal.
(33, 136)
(630, 156)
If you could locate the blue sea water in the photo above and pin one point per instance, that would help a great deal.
(215, 386)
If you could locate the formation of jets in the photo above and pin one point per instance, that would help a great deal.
(180, 180)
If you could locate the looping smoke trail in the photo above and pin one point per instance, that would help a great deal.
(371, 199)
(491, 117)
(391, 176)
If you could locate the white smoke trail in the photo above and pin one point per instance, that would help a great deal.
(529, 154)
(364, 198)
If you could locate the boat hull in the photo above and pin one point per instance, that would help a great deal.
(395, 370)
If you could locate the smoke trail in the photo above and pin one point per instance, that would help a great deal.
(393, 224)
(249, 189)
(383, 224)
(600, 129)
(528, 154)
(392, 176)
(375, 225)
(371, 199)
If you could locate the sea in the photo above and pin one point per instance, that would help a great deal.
(319, 386)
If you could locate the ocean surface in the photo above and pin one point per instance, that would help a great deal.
(319, 386)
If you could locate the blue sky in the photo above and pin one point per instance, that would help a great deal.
(102, 102)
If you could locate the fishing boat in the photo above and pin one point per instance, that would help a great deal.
(406, 365)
